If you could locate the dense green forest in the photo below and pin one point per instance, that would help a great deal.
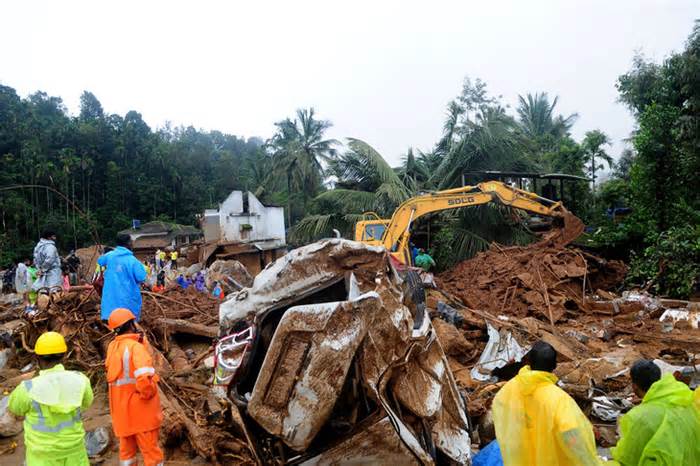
(114, 168)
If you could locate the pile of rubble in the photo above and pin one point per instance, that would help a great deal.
(327, 356)
(180, 326)
(544, 280)
(490, 309)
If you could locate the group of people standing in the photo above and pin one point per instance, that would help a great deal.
(537, 423)
(165, 259)
(52, 401)
(163, 268)
(46, 272)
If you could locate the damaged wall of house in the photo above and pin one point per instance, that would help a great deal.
(242, 217)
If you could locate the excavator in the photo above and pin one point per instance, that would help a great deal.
(394, 233)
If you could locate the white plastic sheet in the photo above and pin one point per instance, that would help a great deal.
(609, 409)
(676, 315)
(501, 349)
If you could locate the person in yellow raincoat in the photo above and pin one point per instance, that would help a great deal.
(50, 404)
(536, 422)
(665, 428)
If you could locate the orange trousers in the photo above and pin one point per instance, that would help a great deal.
(147, 442)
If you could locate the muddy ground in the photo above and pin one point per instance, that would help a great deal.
(548, 290)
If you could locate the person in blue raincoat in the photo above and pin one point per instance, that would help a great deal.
(122, 276)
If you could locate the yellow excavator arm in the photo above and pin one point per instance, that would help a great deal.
(396, 232)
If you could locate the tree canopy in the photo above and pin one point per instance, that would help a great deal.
(89, 174)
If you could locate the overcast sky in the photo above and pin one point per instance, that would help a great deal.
(382, 71)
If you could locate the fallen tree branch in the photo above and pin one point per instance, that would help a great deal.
(183, 326)
(158, 295)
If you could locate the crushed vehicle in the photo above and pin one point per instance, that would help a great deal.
(330, 358)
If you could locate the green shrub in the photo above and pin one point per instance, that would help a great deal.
(670, 266)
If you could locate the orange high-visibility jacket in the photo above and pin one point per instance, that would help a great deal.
(133, 390)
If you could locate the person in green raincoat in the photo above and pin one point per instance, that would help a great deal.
(424, 261)
(665, 428)
(51, 404)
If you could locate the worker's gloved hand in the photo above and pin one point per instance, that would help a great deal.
(146, 387)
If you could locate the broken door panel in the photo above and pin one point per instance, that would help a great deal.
(450, 425)
(306, 365)
(425, 387)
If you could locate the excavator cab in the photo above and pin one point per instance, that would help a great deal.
(372, 230)
(369, 231)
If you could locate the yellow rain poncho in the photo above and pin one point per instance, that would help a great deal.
(537, 423)
(663, 430)
(51, 405)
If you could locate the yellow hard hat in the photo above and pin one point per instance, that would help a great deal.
(50, 343)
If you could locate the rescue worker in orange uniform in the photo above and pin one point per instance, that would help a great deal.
(134, 402)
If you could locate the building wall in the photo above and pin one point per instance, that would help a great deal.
(233, 203)
(211, 226)
(265, 222)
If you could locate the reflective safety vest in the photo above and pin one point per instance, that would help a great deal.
(134, 402)
(51, 405)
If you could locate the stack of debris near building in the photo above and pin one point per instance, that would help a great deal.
(241, 229)
(331, 355)
(244, 229)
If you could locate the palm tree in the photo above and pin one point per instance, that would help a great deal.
(487, 143)
(542, 130)
(413, 173)
(365, 182)
(431, 160)
(537, 119)
(449, 128)
(256, 170)
(299, 152)
(593, 148)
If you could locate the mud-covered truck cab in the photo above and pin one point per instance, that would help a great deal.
(326, 364)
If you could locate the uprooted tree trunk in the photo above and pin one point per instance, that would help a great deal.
(177, 422)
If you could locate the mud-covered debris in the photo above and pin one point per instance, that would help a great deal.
(346, 365)
(540, 280)
(231, 274)
(176, 323)
(97, 441)
(451, 339)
